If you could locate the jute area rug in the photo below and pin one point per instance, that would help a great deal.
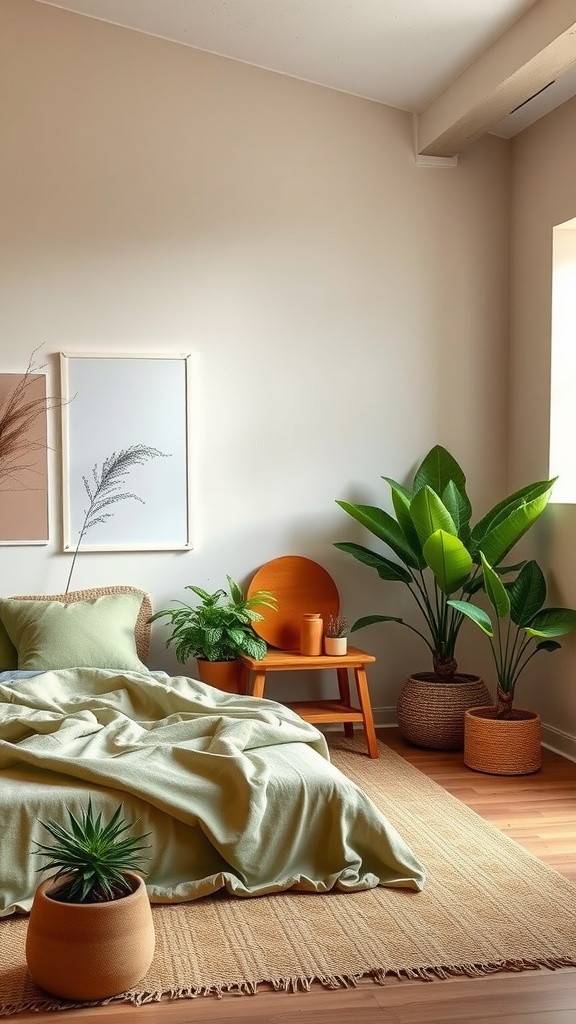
(488, 905)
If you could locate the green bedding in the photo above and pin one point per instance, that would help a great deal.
(239, 792)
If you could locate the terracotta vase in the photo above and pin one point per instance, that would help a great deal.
(502, 746)
(224, 675)
(430, 714)
(311, 627)
(87, 951)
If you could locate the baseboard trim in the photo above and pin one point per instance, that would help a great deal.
(560, 742)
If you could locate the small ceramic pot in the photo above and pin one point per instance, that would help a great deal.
(335, 645)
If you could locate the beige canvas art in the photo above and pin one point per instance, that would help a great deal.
(24, 474)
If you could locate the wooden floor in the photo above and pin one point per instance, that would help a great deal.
(538, 811)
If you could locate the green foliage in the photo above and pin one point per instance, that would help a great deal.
(216, 631)
(91, 857)
(523, 626)
(437, 554)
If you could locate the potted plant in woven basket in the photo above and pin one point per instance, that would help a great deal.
(504, 739)
(217, 630)
(437, 556)
(90, 934)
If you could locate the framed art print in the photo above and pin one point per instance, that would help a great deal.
(23, 463)
(125, 452)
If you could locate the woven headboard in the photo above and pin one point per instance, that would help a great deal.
(142, 627)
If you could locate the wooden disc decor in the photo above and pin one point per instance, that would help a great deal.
(301, 586)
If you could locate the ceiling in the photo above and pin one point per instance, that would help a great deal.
(448, 61)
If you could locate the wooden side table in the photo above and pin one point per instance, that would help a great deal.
(321, 711)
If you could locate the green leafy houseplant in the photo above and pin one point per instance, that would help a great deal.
(220, 627)
(91, 858)
(523, 625)
(437, 552)
(93, 906)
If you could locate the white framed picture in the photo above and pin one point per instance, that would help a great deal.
(125, 452)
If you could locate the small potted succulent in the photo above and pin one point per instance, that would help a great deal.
(336, 635)
(504, 739)
(90, 934)
(217, 630)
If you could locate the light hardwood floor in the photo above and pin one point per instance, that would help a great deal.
(538, 811)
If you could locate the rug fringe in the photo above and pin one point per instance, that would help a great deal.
(299, 983)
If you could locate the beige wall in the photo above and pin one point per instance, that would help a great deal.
(347, 309)
(543, 195)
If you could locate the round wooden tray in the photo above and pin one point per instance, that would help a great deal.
(300, 586)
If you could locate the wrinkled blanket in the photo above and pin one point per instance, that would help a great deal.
(238, 792)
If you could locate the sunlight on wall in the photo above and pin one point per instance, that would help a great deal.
(563, 367)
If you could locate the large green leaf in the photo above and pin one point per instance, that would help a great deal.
(437, 469)
(495, 590)
(401, 499)
(449, 560)
(527, 593)
(477, 615)
(459, 508)
(429, 514)
(386, 569)
(499, 530)
(383, 526)
(369, 620)
(551, 622)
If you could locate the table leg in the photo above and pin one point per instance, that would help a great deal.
(344, 688)
(244, 679)
(366, 706)
(259, 684)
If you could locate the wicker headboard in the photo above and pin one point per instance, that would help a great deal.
(142, 627)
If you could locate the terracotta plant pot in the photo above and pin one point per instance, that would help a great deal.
(224, 675)
(431, 714)
(502, 746)
(87, 951)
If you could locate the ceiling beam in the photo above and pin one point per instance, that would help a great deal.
(535, 51)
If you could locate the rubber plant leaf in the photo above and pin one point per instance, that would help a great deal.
(495, 590)
(449, 560)
(369, 620)
(437, 469)
(459, 508)
(401, 499)
(383, 526)
(527, 593)
(429, 514)
(508, 521)
(551, 622)
(386, 569)
(477, 615)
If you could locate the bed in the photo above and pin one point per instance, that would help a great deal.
(238, 792)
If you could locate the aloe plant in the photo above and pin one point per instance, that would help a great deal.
(91, 857)
(216, 631)
(523, 625)
(437, 551)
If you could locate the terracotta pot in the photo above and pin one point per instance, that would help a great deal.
(224, 675)
(87, 951)
(502, 746)
(431, 714)
(335, 645)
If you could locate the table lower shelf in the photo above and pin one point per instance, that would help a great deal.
(326, 711)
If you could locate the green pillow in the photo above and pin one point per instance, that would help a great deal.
(75, 634)
(8, 653)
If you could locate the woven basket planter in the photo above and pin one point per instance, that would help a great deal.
(431, 714)
(502, 746)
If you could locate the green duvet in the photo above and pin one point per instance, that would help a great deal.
(239, 793)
